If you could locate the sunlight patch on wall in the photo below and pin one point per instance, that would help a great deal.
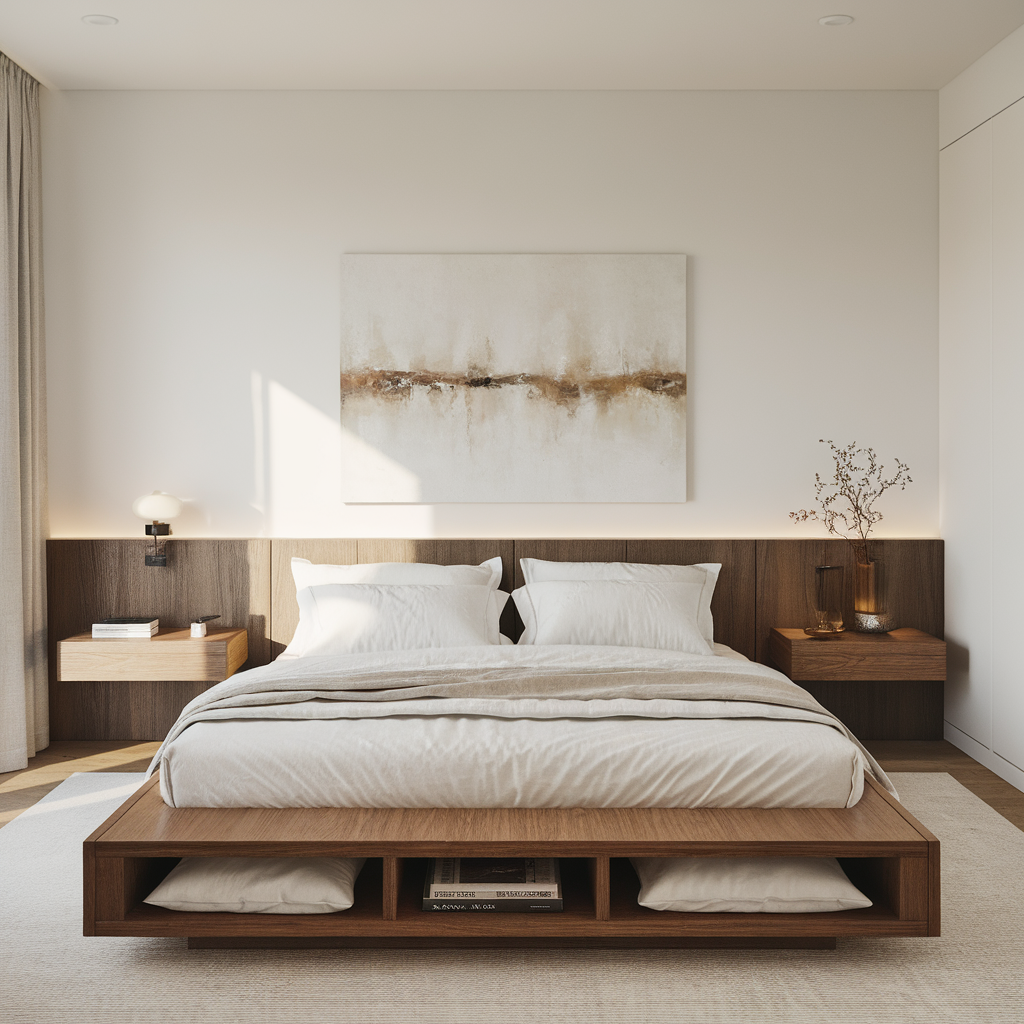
(302, 482)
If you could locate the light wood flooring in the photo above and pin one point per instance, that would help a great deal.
(19, 790)
(50, 767)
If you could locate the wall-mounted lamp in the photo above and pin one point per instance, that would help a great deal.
(157, 507)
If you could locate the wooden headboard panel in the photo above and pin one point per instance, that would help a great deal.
(764, 583)
(732, 607)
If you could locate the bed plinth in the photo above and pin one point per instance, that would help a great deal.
(886, 852)
(589, 942)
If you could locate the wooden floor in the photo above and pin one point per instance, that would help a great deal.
(50, 767)
(19, 790)
(940, 756)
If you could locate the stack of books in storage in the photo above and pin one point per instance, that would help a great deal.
(125, 629)
(516, 884)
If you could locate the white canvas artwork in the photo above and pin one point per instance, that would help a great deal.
(513, 378)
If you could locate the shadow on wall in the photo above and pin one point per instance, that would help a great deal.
(958, 678)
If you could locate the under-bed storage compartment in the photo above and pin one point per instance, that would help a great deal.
(363, 917)
(884, 851)
(600, 897)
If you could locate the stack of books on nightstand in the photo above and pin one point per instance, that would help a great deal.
(517, 884)
(125, 629)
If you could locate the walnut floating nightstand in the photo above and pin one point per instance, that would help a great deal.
(173, 654)
(901, 654)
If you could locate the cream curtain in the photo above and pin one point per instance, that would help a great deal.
(24, 724)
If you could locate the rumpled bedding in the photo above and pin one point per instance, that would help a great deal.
(511, 726)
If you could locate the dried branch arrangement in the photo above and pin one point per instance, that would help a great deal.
(847, 500)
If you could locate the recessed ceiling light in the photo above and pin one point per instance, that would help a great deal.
(834, 20)
(99, 19)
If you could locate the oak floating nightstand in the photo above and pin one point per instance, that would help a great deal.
(903, 654)
(172, 654)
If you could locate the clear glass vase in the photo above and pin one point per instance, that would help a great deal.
(827, 602)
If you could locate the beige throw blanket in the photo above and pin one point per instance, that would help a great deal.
(469, 679)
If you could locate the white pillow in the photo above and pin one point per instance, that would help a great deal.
(353, 618)
(537, 570)
(306, 574)
(614, 613)
(746, 885)
(259, 885)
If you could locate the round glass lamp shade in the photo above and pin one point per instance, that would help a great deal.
(157, 507)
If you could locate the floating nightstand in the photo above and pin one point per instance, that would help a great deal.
(172, 654)
(902, 654)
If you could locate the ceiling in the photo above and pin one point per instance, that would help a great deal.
(502, 44)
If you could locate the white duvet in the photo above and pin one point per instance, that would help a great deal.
(354, 731)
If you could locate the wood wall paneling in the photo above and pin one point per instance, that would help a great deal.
(891, 710)
(763, 584)
(136, 710)
(92, 579)
(440, 552)
(914, 587)
(284, 612)
(565, 550)
(913, 582)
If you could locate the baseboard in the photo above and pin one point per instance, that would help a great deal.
(989, 758)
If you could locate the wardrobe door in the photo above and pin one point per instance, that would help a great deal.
(1007, 431)
(965, 426)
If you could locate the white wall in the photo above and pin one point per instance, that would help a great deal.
(982, 414)
(193, 242)
(991, 84)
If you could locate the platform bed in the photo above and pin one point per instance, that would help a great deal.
(890, 856)
(886, 852)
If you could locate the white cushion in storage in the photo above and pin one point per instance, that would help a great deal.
(746, 885)
(259, 885)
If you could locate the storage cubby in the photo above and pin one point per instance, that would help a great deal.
(577, 896)
(863, 872)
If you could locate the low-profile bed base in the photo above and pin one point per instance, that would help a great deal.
(884, 849)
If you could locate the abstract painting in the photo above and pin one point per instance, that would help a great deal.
(513, 378)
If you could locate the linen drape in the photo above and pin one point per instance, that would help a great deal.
(24, 721)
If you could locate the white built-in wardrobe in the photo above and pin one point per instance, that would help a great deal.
(982, 413)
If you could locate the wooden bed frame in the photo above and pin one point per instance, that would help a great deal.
(883, 848)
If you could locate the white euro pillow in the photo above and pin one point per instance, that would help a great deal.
(259, 885)
(355, 618)
(705, 574)
(746, 885)
(612, 613)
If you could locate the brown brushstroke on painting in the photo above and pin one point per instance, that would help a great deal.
(560, 390)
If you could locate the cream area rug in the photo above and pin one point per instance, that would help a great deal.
(50, 974)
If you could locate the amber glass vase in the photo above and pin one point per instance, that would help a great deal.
(866, 578)
(870, 614)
